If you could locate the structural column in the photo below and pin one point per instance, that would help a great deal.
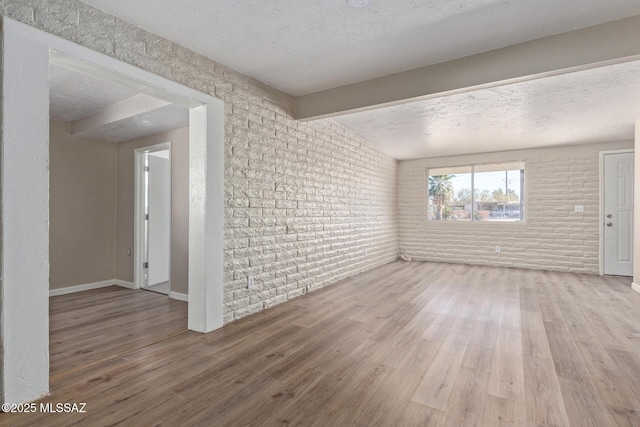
(25, 219)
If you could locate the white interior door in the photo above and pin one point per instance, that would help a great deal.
(159, 217)
(618, 214)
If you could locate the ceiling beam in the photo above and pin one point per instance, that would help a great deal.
(130, 107)
(612, 42)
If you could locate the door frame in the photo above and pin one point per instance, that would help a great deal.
(24, 251)
(601, 202)
(138, 223)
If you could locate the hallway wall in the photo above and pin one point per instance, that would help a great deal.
(82, 205)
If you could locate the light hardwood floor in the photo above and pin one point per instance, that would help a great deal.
(424, 344)
(88, 328)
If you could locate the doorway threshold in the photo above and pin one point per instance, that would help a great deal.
(160, 288)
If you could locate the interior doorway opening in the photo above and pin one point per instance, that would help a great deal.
(27, 53)
(153, 217)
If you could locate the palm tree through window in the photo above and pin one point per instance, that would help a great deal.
(484, 192)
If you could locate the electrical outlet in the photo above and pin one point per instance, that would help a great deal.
(579, 208)
(251, 282)
(129, 252)
(497, 249)
(366, 252)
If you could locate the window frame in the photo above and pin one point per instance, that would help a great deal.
(472, 166)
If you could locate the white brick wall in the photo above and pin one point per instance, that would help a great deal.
(303, 200)
(553, 236)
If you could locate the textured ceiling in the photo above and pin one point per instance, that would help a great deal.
(305, 46)
(74, 96)
(160, 120)
(597, 105)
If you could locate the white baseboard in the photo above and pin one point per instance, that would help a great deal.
(79, 288)
(124, 284)
(178, 296)
(635, 287)
(129, 285)
(89, 286)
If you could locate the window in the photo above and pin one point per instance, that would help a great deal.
(490, 192)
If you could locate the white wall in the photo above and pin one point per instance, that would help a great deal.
(553, 236)
(304, 203)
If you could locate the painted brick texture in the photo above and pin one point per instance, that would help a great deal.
(553, 236)
(304, 203)
(307, 204)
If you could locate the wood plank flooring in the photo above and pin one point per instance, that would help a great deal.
(424, 344)
(87, 328)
